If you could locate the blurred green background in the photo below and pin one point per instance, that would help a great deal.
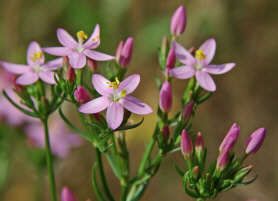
(246, 32)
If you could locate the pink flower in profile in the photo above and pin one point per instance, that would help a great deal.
(115, 96)
(77, 52)
(178, 21)
(61, 139)
(199, 65)
(124, 52)
(36, 67)
(255, 141)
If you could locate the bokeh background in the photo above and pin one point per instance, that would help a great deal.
(246, 32)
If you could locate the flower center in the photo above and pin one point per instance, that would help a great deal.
(82, 36)
(116, 96)
(114, 84)
(199, 54)
(37, 68)
(36, 56)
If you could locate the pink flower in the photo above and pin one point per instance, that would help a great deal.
(124, 52)
(61, 139)
(186, 143)
(67, 195)
(199, 65)
(81, 95)
(36, 68)
(115, 97)
(77, 52)
(230, 139)
(255, 141)
(178, 21)
(165, 97)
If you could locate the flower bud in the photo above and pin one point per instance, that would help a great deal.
(178, 21)
(92, 64)
(199, 144)
(71, 76)
(186, 143)
(165, 97)
(222, 160)
(97, 116)
(239, 176)
(165, 132)
(187, 110)
(164, 45)
(81, 95)
(67, 195)
(255, 141)
(171, 60)
(124, 52)
(196, 171)
(230, 139)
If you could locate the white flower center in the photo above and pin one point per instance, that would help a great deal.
(117, 96)
(37, 68)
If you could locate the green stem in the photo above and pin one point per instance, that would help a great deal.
(102, 176)
(49, 162)
(124, 192)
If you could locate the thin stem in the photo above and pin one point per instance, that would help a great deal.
(102, 176)
(49, 162)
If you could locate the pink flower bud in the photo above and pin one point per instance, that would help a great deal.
(178, 21)
(255, 141)
(171, 60)
(187, 110)
(222, 160)
(92, 64)
(81, 95)
(67, 195)
(124, 52)
(165, 132)
(199, 144)
(186, 143)
(230, 139)
(165, 97)
(196, 171)
(71, 75)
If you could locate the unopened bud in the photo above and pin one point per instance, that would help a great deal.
(71, 76)
(92, 64)
(230, 139)
(81, 95)
(67, 195)
(222, 160)
(239, 176)
(165, 97)
(255, 141)
(171, 60)
(187, 110)
(178, 21)
(124, 52)
(196, 171)
(199, 144)
(165, 132)
(186, 143)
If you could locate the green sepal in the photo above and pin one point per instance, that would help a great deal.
(123, 128)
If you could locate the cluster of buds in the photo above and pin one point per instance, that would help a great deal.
(226, 172)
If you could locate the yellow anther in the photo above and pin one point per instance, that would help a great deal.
(123, 93)
(36, 56)
(95, 38)
(114, 84)
(82, 36)
(199, 54)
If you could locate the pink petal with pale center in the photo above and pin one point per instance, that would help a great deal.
(14, 68)
(114, 115)
(205, 81)
(34, 48)
(58, 51)
(94, 40)
(66, 39)
(77, 60)
(130, 83)
(95, 105)
(183, 72)
(98, 56)
(27, 78)
(47, 76)
(101, 85)
(183, 55)
(54, 64)
(134, 105)
(219, 69)
(209, 47)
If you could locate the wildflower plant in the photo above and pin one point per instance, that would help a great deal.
(75, 77)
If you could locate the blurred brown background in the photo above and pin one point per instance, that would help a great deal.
(246, 32)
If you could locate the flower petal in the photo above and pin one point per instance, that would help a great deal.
(58, 51)
(94, 40)
(14, 68)
(134, 105)
(66, 39)
(205, 81)
(77, 60)
(27, 78)
(183, 72)
(183, 55)
(98, 56)
(130, 83)
(95, 105)
(114, 115)
(54, 64)
(101, 85)
(209, 47)
(47, 76)
(219, 69)
(34, 48)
